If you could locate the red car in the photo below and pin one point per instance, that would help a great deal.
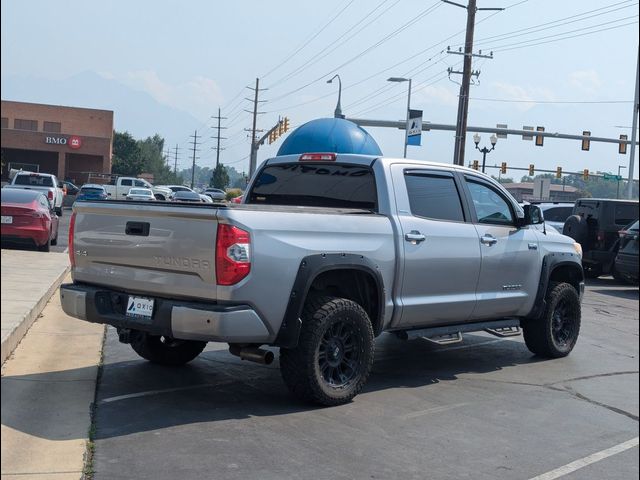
(237, 199)
(28, 218)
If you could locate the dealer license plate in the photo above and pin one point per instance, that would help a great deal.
(7, 219)
(140, 307)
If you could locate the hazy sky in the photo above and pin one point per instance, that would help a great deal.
(198, 55)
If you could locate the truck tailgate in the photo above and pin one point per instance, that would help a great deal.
(157, 249)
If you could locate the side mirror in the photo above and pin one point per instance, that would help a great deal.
(532, 215)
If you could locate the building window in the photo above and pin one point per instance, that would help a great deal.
(20, 124)
(5, 122)
(53, 127)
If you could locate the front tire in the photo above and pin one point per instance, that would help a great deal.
(165, 350)
(555, 334)
(334, 355)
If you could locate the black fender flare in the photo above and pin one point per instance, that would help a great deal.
(550, 263)
(310, 267)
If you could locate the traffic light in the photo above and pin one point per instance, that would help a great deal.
(271, 139)
(286, 124)
(539, 138)
(622, 147)
(585, 141)
(280, 127)
(503, 168)
(531, 170)
(475, 165)
(559, 172)
(585, 174)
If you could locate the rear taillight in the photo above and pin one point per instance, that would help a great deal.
(233, 255)
(50, 194)
(72, 229)
(318, 157)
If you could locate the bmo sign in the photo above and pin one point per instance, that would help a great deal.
(73, 141)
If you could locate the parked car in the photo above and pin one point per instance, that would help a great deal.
(140, 194)
(188, 196)
(121, 186)
(29, 218)
(626, 264)
(177, 188)
(42, 182)
(556, 213)
(594, 224)
(205, 198)
(92, 191)
(216, 194)
(320, 264)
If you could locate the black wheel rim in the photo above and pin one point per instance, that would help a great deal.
(563, 324)
(339, 355)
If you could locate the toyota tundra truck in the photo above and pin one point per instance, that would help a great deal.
(326, 252)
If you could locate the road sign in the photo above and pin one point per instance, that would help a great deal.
(504, 127)
(414, 127)
(527, 137)
(610, 176)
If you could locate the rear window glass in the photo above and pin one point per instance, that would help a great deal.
(558, 214)
(625, 214)
(15, 195)
(34, 180)
(434, 197)
(139, 191)
(316, 185)
(92, 190)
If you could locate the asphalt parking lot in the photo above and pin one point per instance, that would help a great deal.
(482, 409)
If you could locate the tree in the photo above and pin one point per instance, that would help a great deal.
(220, 177)
(127, 158)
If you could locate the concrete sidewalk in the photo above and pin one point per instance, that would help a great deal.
(27, 281)
(48, 386)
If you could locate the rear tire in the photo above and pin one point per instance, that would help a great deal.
(555, 333)
(166, 350)
(334, 355)
(54, 241)
(576, 227)
(47, 246)
(59, 211)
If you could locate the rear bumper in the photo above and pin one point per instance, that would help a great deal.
(179, 319)
(627, 265)
(25, 234)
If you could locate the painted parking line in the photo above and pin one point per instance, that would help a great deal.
(583, 462)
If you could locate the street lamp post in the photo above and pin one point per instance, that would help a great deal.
(485, 150)
(406, 129)
(618, 181)
(338, 111)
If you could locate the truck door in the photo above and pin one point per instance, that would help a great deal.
(440, 247)
(123, 187)
(510, 258)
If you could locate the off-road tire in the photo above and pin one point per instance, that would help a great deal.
(165, 350)
(576, 227)
(541, 335)
(301, 366)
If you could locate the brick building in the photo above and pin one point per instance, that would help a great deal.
(68, 142)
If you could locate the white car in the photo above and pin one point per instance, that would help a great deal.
(556, 213)
(141, 194)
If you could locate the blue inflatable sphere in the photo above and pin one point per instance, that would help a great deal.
(329, 135)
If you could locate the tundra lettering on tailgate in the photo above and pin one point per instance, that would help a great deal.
(185, 262)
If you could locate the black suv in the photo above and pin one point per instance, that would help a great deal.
(595, 224)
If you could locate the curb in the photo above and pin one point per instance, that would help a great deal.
(16, 335)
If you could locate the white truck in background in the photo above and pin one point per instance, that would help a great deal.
(120, 186)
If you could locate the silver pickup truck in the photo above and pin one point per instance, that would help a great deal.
(327, 252)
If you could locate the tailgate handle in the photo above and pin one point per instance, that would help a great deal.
(140, 229)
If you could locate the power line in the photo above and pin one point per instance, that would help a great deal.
(304, 44)
(551, 101)
(217, 148)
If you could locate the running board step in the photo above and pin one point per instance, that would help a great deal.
(445, 339)
(503, 328)
(504, 331)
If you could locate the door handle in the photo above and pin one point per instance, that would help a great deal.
(488, 240)
(414, 237)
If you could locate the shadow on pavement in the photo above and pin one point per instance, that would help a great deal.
(628, 293)
(137, 396)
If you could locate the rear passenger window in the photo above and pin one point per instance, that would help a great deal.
(434, 197)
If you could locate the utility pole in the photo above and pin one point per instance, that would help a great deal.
(463, 98)
(634, 130)
(217, 149)
(194, 142)
(253, 156)
(175, 162)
